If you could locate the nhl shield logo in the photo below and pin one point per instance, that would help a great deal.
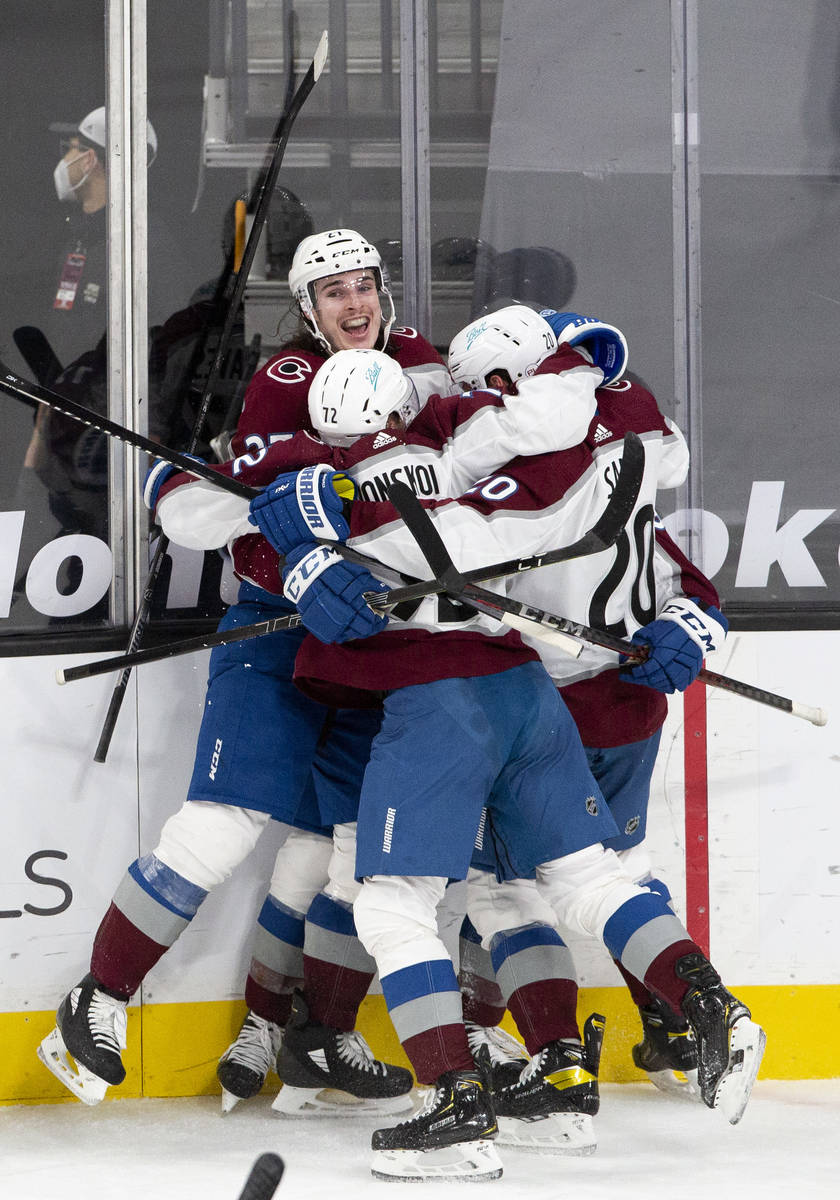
(592, 806)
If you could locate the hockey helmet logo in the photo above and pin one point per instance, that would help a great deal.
(514, 339)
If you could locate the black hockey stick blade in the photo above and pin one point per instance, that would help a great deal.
(509, 612)
(265, 1175)
(423, 531)
(37, 352)
(607, 529)
(35, 393)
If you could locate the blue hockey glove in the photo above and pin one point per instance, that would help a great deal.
(605, 343)
(301, 506)
(678, 641)
(328, 592)
(156, 477)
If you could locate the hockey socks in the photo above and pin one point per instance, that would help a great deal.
(337, 969)
(151, 908)
(276, 967)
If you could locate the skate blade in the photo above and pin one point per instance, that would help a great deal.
(229, 1101)
(746, 1048)
(558, 1133)
(53, 1053)
(329, 1102)
(465, 1161)
(681, 1084)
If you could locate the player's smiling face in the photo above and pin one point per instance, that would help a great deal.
(347, 309)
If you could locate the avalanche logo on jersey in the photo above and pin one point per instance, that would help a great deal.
(290, 370)
(592, 806)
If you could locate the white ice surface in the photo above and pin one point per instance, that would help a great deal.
(787, 1145)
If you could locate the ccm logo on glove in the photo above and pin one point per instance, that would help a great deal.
(708, 629)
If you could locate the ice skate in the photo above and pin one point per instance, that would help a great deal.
(90, 1027)
(326, 1071)
(551, 1106)
(506, 1055)
(729, 1043)
(244, 1066)
(667, 1052)
(449, 1137)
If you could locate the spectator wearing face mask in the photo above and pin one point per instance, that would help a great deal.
(79, 300)
(69, 351)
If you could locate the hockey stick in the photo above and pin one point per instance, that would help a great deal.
(227, 300)
(434, 551)
(35, 393)
(265, 1175)
(603, 534)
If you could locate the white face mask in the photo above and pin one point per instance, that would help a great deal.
(64, 189)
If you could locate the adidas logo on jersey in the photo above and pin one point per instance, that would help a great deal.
(382, 439)
(601, 433)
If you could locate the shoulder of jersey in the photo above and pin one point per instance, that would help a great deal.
(624, 405)
(410, 347)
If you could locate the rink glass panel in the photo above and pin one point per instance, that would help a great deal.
(564, 168)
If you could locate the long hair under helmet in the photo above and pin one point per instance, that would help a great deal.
(330, 253)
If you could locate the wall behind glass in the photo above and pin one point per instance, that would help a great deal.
(770, 203)
(578, 191)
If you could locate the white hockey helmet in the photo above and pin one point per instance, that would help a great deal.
(514, 339)
(354, 393)
(94, 128)
(330, 253)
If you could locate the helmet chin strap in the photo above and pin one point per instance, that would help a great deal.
(381, 337)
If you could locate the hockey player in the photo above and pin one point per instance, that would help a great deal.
(419, 814)
(620, 723)
(307, 776)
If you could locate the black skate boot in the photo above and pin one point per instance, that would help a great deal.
(667, 1051)
(729, 1043)
(325, 1070)
(505, 1055)
(450, 1137)
(244, 1066)
(90, 1026)
(551, 1106)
